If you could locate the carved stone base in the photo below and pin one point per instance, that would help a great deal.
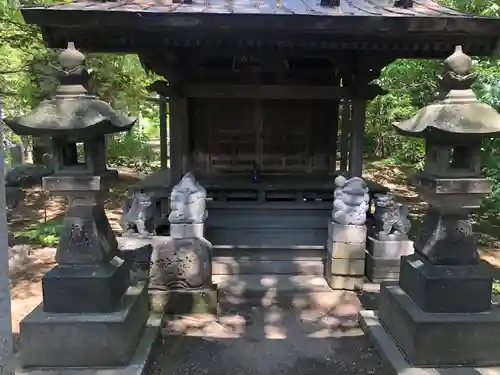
(185, 301)
(180, 263)
(187, 230)
(86, 236)
(85, 288)
(389, 249)
(445, 289)
(382, 269)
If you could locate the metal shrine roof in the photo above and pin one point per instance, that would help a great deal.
(424, 28)
(381, 8)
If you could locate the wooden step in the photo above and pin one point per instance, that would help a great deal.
(269, 252)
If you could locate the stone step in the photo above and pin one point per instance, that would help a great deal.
(269, 253)
(232, 266)
(304, 291)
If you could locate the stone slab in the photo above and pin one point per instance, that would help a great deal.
(389, 249)
(442, 289)
(85, 340)
(346, 267)
(184, 301)
(346, 233)
(187, 230)
(395, 362)
(345, 250)
(136, 251)
(439, 340)
(340, 282)
(99, 288)
(137, 366)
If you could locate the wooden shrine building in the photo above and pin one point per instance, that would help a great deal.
(258, 90)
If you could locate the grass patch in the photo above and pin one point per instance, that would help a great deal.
(496, 287)
(42, 232)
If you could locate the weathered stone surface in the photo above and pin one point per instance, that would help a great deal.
(136, 252)
(85, 288)
(87, 340)
(187, 230)
(346, 233)
(447, 238)
(441, 289)
(345, 250)
(139, 217)
(434, 340)
(86, 236)
(188, 202)
(181, 263)
(345, 282)
(380, 269)
(184, 302)
(350, 202)
(345, 266)
(27, 175)
(389, 249)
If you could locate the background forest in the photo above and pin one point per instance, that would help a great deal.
(25, 80)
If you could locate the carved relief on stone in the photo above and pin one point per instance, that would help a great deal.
(134, 218)
(391, 218)
(188, 202)
(80, 236)
(181, 263)
(351, 199)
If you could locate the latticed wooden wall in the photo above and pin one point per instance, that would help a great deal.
(278, 136)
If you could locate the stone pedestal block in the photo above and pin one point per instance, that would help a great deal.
(85, 340)
(345, 266)
(380, 269)
(439, 340)
(345, 250)
(389, 249)
(383, 258)
(342, 282)
(85, 288)
(184, 301)
(346, 233)
(443, 289)
(186, 230)
(136, 252)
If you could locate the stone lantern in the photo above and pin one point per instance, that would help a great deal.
(94, 316)
(440, 314)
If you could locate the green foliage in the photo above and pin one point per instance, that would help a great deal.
(43, 232)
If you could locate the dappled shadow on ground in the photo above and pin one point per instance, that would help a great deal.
(260, 335)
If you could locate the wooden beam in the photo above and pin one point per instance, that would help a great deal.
(344, 135)
(356, 144)
(262, 91)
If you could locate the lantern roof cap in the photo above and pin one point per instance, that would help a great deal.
(71, 112)
(458, 112)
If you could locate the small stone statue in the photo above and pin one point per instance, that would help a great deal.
(391, 218)
(188, 202)
(134, 218)
(350, 201)
(181, 263)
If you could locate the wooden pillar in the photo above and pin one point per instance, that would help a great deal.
(356, 144)
(178, 134)
(344, 135)
(163, 132)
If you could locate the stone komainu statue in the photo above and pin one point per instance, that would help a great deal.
(391, 218)
(183, 263)
(135, 218)
(188, 202)
(350, 202)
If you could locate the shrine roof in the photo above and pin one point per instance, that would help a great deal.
(129, 25)
(384, 8)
